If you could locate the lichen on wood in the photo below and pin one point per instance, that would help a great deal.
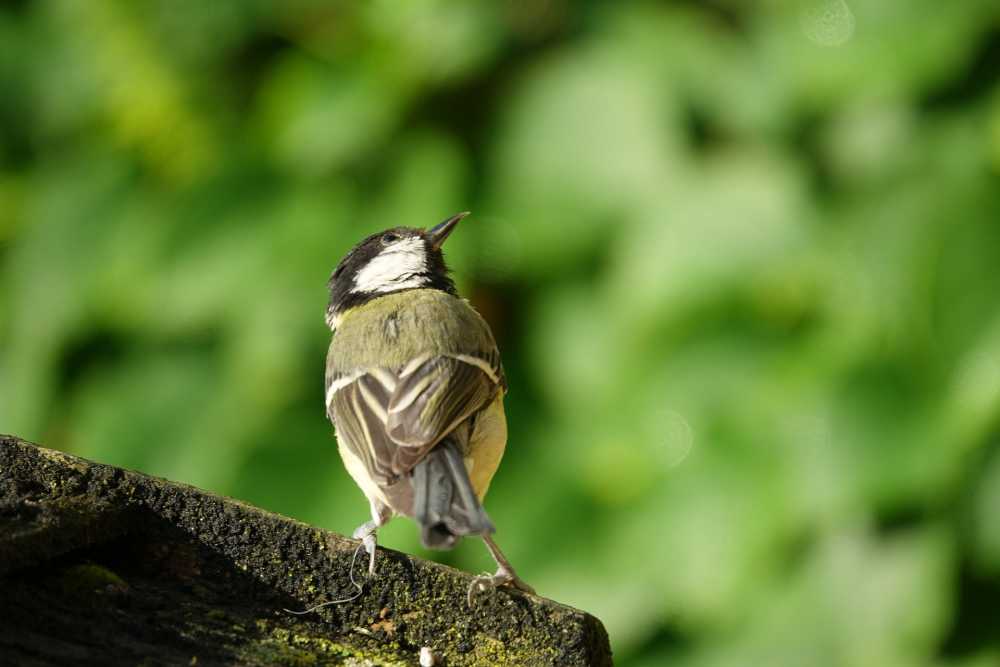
(100, 563)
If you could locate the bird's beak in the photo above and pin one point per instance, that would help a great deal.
(438, 233)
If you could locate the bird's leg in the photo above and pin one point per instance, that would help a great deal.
(368, 531)
(505, 574)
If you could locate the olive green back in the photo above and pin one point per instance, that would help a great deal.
(391, 330)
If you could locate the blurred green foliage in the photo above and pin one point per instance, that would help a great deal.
(743, 260)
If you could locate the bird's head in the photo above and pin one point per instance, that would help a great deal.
(390, 261)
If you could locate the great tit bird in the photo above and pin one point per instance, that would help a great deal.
(414, 388)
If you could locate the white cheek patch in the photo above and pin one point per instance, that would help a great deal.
(397, 267)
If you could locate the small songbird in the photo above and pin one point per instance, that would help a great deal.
(415, 388)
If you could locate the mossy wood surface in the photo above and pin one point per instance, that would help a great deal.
(100, 565)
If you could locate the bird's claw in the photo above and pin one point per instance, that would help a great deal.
(368, 539)
(369, 542)
(503, 577)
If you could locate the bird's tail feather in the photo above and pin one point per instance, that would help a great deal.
(444, 503)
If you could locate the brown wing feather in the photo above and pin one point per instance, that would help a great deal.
(390, 420)
(431, 400)
(358, 410)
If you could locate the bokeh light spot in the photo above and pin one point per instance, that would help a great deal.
(828, 22)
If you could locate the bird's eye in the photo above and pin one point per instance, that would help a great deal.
(389, 237)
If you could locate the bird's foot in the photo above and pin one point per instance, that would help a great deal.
(366, 532)
(504, 577)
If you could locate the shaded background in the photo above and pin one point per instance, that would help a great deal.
(743, 261)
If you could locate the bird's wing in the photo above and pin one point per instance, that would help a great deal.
(434, 395)
(391, 419)
(358, 406)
